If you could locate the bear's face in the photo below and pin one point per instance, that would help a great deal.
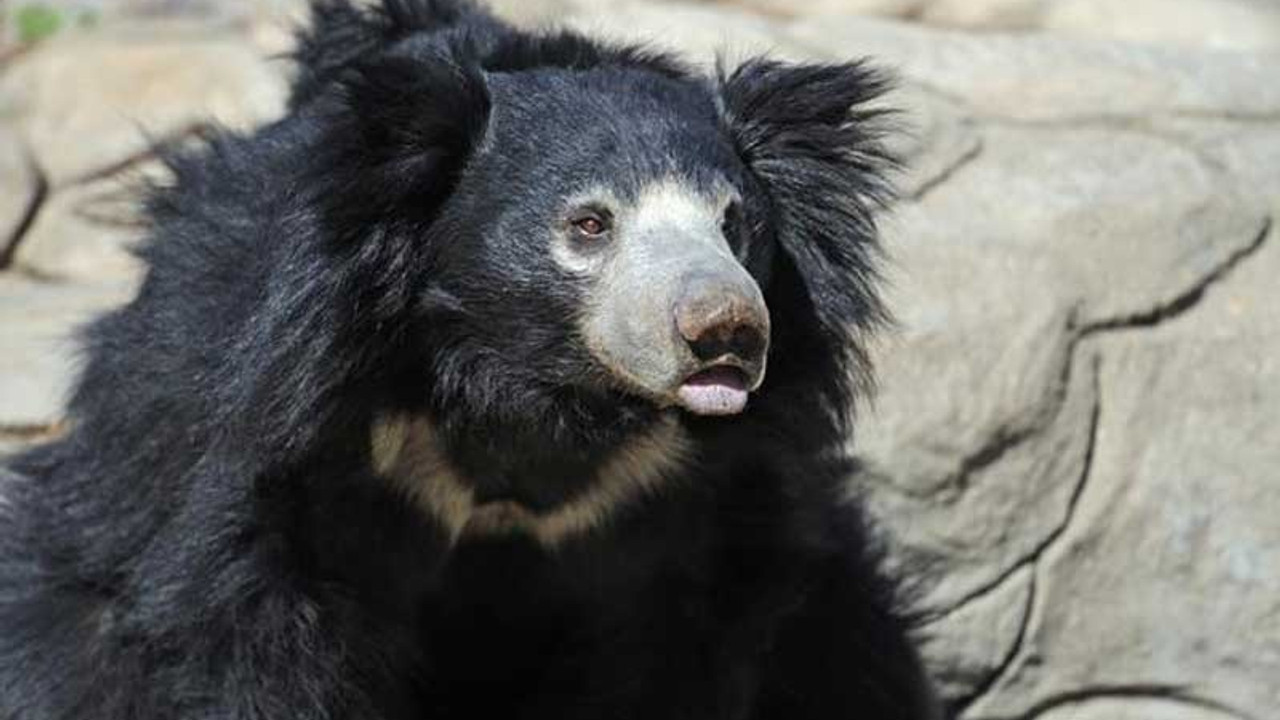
(601, 218)
(575, 250)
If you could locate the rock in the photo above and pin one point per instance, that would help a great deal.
(935, 137)
(1248, 25)
(978, 439)
(704, 33)
(1169, 574)
(36, 351)
(1046, 77)
(1132, 706)
(788, 8)
(986, 14)
(533, 13)
(86, 232)
(1249, 151)
(966, 649)
(965, 518)
(22, 189)
(90, 103)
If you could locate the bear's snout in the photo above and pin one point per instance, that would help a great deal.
(722, 320)
(724, 323)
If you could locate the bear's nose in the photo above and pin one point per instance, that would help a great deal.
(718, 318)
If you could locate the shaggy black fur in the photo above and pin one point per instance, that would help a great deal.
(209, 540)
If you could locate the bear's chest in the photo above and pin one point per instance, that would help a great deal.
(515, 632)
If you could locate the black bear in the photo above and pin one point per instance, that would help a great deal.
(504, 377)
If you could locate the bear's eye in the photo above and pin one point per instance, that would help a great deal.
(590, 225)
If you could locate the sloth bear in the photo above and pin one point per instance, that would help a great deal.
(504, 377)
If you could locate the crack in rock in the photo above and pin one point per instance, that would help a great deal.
(958, 706)
(42, 191)
(1168, 311)
(992, 452)
(1033, 558)
(931, 184)
(1184, 302)
(1151, 691)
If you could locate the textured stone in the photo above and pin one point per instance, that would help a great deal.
(790, 8)
(1249, 151)
(1133, 706)
(967, 647)
(19, 187)
(988, 14)
(88, 103)
(1169, 575)
(979, 435)
(1043, 76)
(1217, 24)
(36, 351)
(705, 33)
(935, 137)
(86, 232)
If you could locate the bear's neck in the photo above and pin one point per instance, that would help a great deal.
(473, 484)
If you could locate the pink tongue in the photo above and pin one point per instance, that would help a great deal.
(716, 391)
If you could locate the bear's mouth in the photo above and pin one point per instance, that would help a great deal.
(717, 390)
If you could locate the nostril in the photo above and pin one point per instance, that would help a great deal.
(744, 341)
(717, 318)
(748, 342)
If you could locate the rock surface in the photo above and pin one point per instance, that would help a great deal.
(90, 101)
(1249, 25)
(20, 189)
(83, 233)
(1074, 453)
(1216, 24)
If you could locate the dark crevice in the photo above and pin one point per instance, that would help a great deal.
(1188, 299)
(9, 249)
(958, 706)
(1006, 437)
(1072, 502)
(1152, 691)
(1015, 651)
(947, 173)
(1003, 442)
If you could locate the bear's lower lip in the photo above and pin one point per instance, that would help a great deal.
(719, 390)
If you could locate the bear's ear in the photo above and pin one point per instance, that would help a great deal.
(403, 129)
(342, 32)
(808, 133)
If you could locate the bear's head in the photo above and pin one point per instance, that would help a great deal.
(568, 250)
